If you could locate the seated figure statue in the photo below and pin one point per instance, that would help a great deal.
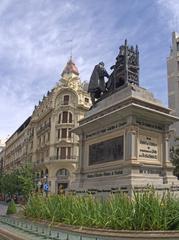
(97, 85)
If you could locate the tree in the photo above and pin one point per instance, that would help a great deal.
(174, 154)
(20, 181)
(26, 180)
(9, 183)
(1, 179)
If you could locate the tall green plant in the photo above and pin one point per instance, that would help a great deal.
(144, 211)
(11, 208)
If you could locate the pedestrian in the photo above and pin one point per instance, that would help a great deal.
(45, 187)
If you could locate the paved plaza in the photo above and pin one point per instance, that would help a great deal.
(3, 209)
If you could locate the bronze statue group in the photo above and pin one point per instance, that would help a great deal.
(125, 70)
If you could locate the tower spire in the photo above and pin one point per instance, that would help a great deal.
(71, 49)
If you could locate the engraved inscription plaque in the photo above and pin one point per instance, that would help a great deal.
(107, 151)
(148, 148)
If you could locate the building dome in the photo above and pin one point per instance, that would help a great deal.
(70, 68)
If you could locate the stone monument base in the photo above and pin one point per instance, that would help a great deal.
(124, 144)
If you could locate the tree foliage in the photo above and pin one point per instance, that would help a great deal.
(19, 181)
(25, 179)
(9, 182)
(174, 154)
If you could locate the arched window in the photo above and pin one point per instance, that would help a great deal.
(64, 117)
(62, 172)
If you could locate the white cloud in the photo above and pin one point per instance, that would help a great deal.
(34, 46)
(4, 6)
(169, 11)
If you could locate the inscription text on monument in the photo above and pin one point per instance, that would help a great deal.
(148, 147)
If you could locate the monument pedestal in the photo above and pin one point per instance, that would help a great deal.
(124, 144)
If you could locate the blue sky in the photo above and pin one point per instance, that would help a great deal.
(35, 45)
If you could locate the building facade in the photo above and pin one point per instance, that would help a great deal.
(173, 83)
(16, 150)
(2, 144)
(2, 152)
(45, 138)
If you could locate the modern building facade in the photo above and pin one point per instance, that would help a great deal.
(45, 138)
(173, 83)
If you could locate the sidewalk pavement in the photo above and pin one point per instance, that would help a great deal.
(3, 209)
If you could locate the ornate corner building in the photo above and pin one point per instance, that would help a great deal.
(45, 138)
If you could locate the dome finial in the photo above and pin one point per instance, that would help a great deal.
(70, 68)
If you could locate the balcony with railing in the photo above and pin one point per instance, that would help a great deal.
(56, 159)
(66, 140)
(67, 158)
(43, 128)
